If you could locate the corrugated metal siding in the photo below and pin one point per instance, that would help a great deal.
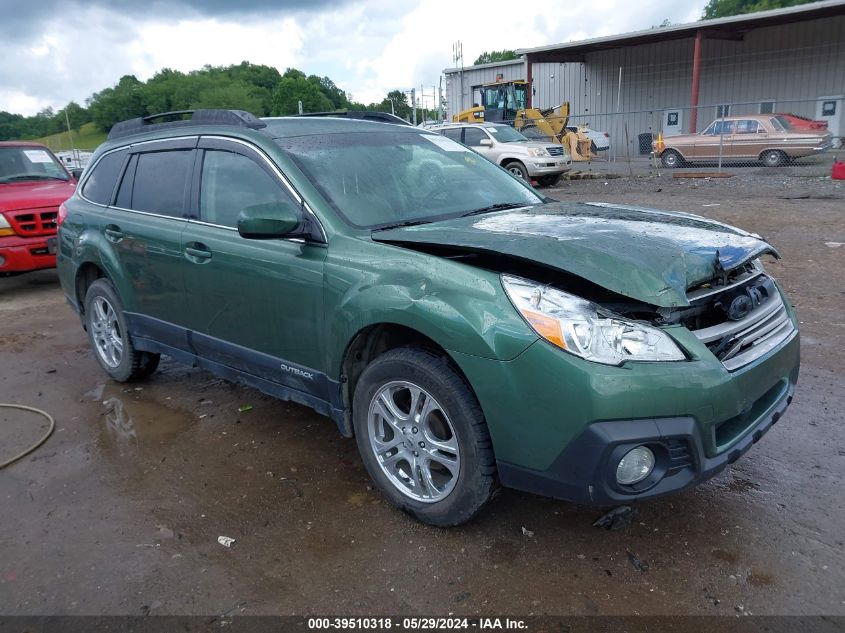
(788, 64)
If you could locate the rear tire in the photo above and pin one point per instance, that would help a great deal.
(423, 438)
(671, 159)
(109, 337)
(773, 158)
(518, 169)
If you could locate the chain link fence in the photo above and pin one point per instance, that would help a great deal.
(784, 137)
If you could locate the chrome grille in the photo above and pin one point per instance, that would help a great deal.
(555, 150)
(737, 343)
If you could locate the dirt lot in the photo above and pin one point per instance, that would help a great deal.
(119, 512)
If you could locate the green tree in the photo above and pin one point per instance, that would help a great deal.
(295, 87)
(725, 8)
(495, 56)
(396, 101)
(234, 95)
(123, 101)
(76, 116)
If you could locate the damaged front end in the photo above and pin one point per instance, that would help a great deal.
(740, 316)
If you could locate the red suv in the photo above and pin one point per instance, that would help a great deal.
(33, 183)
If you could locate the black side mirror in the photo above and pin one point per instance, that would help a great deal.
(267, 221)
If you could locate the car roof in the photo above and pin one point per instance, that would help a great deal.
(745, 117)
(446, 126)
(284, 127)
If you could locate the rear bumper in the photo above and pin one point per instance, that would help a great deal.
(22, 254)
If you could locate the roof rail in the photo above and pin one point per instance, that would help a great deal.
(176, 119)
(366, 115)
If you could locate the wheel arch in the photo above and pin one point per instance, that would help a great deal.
(779, 150)
(376, 339)
(672, 149)
(86, 274)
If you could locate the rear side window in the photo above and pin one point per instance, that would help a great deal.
(100, 184)
(160, 183)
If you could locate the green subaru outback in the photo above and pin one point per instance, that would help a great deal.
(464, 329)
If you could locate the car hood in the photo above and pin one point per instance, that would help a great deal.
(648, 255)
(18, 196)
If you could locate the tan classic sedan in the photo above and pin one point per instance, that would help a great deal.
(755, 137)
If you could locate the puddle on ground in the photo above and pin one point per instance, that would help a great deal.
(130, 421)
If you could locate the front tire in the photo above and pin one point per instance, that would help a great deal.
(109, 337)
(423, 438)
(671, 159)
(518, 169)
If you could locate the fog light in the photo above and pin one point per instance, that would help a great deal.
(635, 466)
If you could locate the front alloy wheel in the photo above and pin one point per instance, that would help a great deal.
(422, 436)
(414, 441)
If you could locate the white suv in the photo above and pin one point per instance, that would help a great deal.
(503, 145)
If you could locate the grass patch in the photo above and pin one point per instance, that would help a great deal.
(88, 138)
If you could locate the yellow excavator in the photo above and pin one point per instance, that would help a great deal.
(505, 102)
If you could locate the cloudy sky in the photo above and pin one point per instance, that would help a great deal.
(55, 51)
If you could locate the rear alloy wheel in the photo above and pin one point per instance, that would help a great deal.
(107, 332)
(518, 169)
(422, 437)
(671, 159)
(773, 158)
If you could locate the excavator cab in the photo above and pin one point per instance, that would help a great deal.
(501, 101)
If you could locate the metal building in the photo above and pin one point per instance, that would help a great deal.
(679, 78)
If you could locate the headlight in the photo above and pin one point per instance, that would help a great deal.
(537, 151)
(5, 227)
(585, 329)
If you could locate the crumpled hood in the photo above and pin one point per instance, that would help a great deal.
(648, 255)
(18, 196)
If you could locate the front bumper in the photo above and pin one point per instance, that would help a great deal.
(547, 166)
(23, 254)
(559, 424)
(584, 471)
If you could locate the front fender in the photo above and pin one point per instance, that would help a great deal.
(461, 308)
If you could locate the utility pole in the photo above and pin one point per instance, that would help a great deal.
(70, 135)
(440, 114)
(414, 104)
(458, 55)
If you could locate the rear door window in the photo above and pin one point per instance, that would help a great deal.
(452, 133)
(160, 184)
(473, 136)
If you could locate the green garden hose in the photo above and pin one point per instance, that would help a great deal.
(39, 442)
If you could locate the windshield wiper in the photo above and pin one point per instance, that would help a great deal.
(24, 177)
(397, 225)
(494, 207)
